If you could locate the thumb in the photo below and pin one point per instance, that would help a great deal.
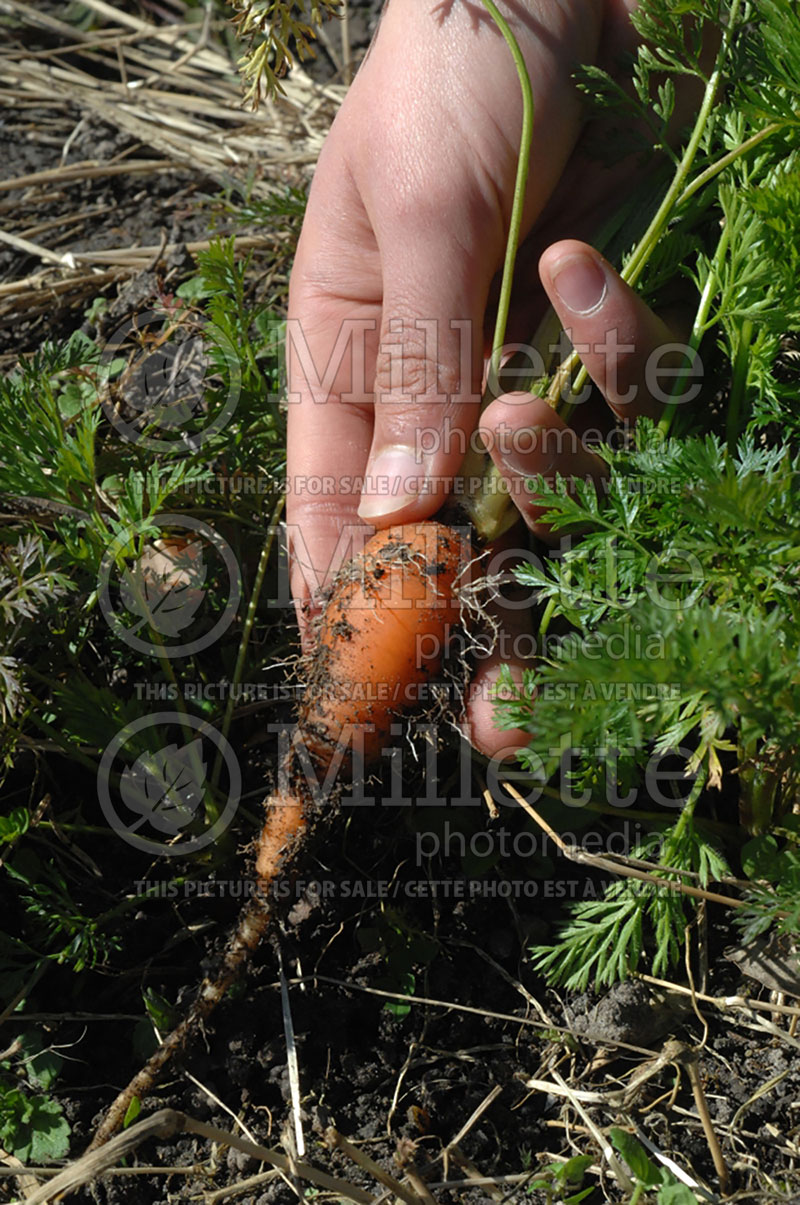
(427, 380)
(627, 349)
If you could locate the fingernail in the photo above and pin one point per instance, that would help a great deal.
(580, 282)
(395, 477)
(529, 453)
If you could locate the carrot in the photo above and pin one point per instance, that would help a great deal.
(392, 604)
(365, 672)
(380, 644)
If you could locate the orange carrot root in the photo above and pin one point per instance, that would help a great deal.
(285, 824)
(382, 638)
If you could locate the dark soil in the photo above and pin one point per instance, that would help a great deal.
(112, 211)
(368, 910)
(400, 913)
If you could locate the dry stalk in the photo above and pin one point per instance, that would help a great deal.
(686, 1057)
(336, 1141)
(241, 1186)
(417, 1183)
(723, 1003)
(165, 1124)
(473, 1174)
(89, 170)
(618, 864)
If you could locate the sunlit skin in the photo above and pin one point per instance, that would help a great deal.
(406, 224)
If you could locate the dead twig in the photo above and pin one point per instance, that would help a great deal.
(621, 866)
(686, 1057)
(723, 1003)
(336, 1141)
(509, 979)
(452, 1005)
(165, 1124)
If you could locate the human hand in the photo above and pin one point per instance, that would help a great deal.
(404, 233)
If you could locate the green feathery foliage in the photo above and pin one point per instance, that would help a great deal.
(670, 615)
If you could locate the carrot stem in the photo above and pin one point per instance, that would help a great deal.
(489, 508)
(518, 202)
(677, 192)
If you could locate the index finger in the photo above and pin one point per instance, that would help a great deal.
(331, 342)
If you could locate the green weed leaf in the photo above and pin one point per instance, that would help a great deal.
(635, 1156)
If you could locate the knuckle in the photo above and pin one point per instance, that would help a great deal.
(411, 362)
